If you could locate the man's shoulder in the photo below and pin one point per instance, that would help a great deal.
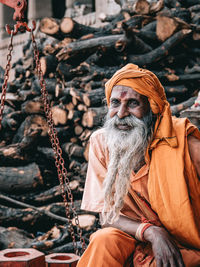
(98, 143)
(185, 126)
(98, 134)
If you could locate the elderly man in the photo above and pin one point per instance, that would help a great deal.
(143, 179)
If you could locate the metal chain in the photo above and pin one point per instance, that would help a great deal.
(59, 161)
(6, 77)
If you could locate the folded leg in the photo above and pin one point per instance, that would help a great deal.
(109, 247)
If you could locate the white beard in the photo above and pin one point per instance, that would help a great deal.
(126, 153)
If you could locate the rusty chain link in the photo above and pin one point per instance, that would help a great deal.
(6, 77)
(59, 161)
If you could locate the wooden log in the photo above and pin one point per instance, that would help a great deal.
(13, 237)
(33, 107)
(182, 13)
(21, 217)
(159, 52)
(20, 179)
(72, 28)
(81, 107)
(174, 90)
(50, 86)
(50, 26)
(137, 44)
(43, 210)
(85, 135)
(78, 129)
(184, 105)
(75, 115)
(18, 153)
(35, 123)
(183, 77)
(48, 64)
(12, 120)
(73, 150)
(192, 114)
(90, 85)
(94, 117)
(59, 116)
(66, 27)
(51, 195)
(98, 73)
(167, 26)
(64, 71)
(195, 8)
(189, 3)
(86, 221)
(85, 46)
(142, 7)
(94, 97)
(77, 94)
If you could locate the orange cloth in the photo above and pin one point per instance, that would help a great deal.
(110, 247)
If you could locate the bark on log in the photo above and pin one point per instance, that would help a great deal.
(48, 64)
(16, 154)
(159, 52)
(177, 108)
(179, 89)
(14, 238)
(94, 97)
(87, 46)
(20, 179)
(94, 117)
(33, 107)
(71, 28)
(73, 150)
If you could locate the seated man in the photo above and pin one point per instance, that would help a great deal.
(143, 179)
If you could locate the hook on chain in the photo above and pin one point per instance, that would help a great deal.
(20, 26)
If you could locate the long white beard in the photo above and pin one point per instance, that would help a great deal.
(126, 153)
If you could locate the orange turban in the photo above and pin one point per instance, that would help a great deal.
(146, 83)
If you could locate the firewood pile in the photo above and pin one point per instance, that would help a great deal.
(77, 60)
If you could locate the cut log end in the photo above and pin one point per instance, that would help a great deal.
(67, 25)
(49, 26)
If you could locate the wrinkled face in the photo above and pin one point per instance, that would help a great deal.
(124, 101)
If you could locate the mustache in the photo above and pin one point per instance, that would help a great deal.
(130, 121)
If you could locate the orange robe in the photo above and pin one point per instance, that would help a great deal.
(168, 182)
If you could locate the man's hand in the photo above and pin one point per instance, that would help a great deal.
(164, 249)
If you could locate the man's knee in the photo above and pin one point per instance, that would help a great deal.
(103, 236)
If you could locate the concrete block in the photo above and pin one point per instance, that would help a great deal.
(23, 257)
(61, 260)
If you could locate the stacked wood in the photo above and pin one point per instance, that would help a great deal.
(77, 61)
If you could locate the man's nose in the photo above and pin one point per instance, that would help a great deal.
(122, 112)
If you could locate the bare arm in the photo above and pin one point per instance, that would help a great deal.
(124, 224)
(194, 150)
(165, 250)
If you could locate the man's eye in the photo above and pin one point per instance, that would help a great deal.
(114, 102)
(133, 103)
